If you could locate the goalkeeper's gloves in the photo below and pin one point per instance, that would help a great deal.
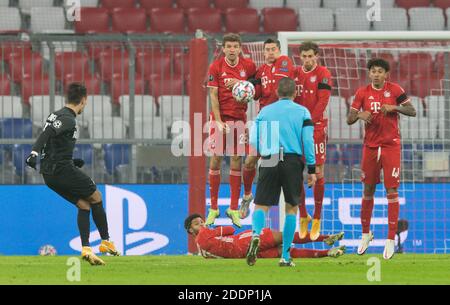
(32, 159)
(78, 163)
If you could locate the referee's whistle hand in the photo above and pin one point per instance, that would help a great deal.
(78, 163)
(312, 180)
(31, 161)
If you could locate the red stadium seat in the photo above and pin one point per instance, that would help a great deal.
(443, 4)
(120, 85)
(169, 20)
(21, 64)
(150, 4)
(95, 49)
(403, 81)
(111, 62)
(5, 85)
(439, 64)
(415, 65)
(206, 19)
(95, 20)
(187, 4)
(279, 19)
(112, 4)
(34, 86)
(182, 63)
(129, 20)
(92, 82)
(241, 20)
(71, 63)
(6, 49)
(425, 86)
(153, 62)
(225, 4)
(166, 85)
(412, 3)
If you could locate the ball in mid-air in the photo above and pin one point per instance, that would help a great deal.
(243, 91)
(47, 250)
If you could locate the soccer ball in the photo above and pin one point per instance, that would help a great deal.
(243, 91)
(47, 250)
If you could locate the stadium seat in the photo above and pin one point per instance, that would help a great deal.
(439, 64)
(182, 63)
(34, 86)
(447, 13)
(424, 86)
(26, 5)
(174, 107)
(47, 19)
(412, 3)
(10, 19)
(120, 85)
(403, 80)
(112, 4)
(414, 65)
(242, 20)
(352, 19)
(16, 128)
(150, 4)
(260, 4)
(340, 4)
(5, 85)
(206, 19)
(22, 64)
(75, 63)
(226, 4)
(4, 3)
(84, 152)
(384, 4)
(393, 19)
(98, 108)
(153, 62)
(10, 107)
(89, 3)
(167, 20)
(20, 153)
(111, 62)
(153, 128)
(107, 128)
(115, 155)
(187, 4)
(92, 82)
(129, 20)
(40, 108)
(279, 19)
(443, 4)
(301, 4)
(95, 20)
(145, 107)
(316, 19)
(166, 86)
(426, 19)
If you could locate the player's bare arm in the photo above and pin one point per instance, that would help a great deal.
(214, 95)
(355, 115)
(405, 109)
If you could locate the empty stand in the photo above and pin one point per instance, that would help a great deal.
(242, 20)
(412, 3)
(144, 107)
(26, 5)
(150, 4)
(187, 4)
(260, 4)
(152, 62)
(129, 20)
(316, 19)
(393, 19)
(206, 19)
(95, 20)
(10, 107)
(40, 108)
(301, 4)
(426, 19)
(47, 19)
(340, 4)
(279, 19)
(226, 4)
(112, 4)
(167, 20)
(352, 19)
(10, 19)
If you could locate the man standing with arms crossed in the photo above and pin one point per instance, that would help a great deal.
(314, 91)
(278, 134)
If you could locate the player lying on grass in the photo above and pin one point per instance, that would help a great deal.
(221, 242)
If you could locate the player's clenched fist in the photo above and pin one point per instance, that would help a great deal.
(312, 178)
(365, 116)
(386, 108)
(32, 160)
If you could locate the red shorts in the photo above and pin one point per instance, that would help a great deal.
(375, 159)
(234, 143)
(320, 141)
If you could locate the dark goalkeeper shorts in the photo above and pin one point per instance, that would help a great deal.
(70, 183)
(288, 174)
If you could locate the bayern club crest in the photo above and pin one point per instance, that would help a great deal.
(243, 74)
(313, 79)
(387, 94)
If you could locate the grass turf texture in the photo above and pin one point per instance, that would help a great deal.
(349, 269)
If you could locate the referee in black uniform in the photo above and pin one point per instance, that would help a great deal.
(282, 135)
(61, 172)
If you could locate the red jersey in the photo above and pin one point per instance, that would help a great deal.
(314, 91)
(270, 75)
(221, 243)
(383, 130)
(219, 74)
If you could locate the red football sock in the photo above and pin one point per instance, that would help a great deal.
(214, 183)
(319, 190)
(235, 186)
(308, 253)
(366, 213)
(248, 177)
(302, 206)
(307, 239)
(393, 210)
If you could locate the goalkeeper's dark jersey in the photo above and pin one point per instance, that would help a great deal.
(61, 143)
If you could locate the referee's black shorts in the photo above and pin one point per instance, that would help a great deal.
(70, 182)
(288, 174)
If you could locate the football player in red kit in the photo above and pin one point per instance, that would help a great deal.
(313, 92)
(227, 135)
(221, 242)
(277, 66)
(379, 105)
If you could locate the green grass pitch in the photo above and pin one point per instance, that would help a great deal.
(349, 269)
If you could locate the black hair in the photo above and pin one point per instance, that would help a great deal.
(188, 221)
(378, 62)
(272, 40)
(75, 93)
